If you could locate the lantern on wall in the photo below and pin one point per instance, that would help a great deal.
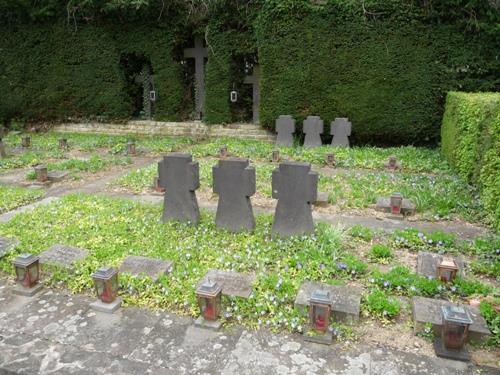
(447, 270)
(396, 203)
(152, 95)
(320, 308)
(456, 322)
(233, 96)
(106, 284)
(27, 268)
(209, 295)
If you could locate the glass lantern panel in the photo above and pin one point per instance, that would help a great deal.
(33, 271)
(320, 318)
(210, 310)
(108, 294)
(21, 273)
(445, 275)
(99, 287)
(114, 284)
(454, 335)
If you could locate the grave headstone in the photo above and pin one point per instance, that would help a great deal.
(254, 81)
(234, 182)
(296, 188)
(151, 267)
(313, 128)
(198, 53)
(427, 264)
(7, 245)
(346, 300)
(180, 177)
(384, 205)
(234, 284)
(63, 256)
(428, 310)
(285, 127)
(341, 130)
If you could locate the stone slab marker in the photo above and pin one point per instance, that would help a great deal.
(233, 284)
(234, 182)
(63, 256)
(313, 128)
(152, 267)
(346, 300)
(296, 188)
(285, 127)
(198, 53)
(341, 130)
(427, 264)
(180, 177)
(7, 245)
(254, 80)
(428, 310)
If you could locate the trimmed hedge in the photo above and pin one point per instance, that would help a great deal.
(471, 143)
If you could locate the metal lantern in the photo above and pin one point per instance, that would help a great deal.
(27, 268)
(320, 308)
(223, 151)
(209, 295)
(41, 173)
(392, 161)
(275, 156)
(456, 322)
(157, 186)
(447, 270)
(152, 95)
(234, 96)
(26, 142)
(396, 203)
(131, 148)
(106, 284)
(330, 159)
(63, 143)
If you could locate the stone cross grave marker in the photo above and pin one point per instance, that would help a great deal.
(341, 130)
(198, 53)
(285, 127)
(180, 177)
(152, 267)
(233, 284)
(313, 128)
(346, 300)
(234, 182)
(427, 264)
(63, 256)
(7, 245)
(254, 80)
(296, 188)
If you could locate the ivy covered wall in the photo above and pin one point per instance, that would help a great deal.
(385, 64)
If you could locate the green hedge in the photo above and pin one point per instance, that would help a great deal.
(471, 143)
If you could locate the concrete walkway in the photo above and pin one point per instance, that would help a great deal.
(56, 333)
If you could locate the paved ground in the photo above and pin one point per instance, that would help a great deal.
(55, 333)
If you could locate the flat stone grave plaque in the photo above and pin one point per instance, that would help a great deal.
(233, 284)
(63, 256)
(151, 267)
(346, 300)
(285, 127)
(427, 264)
(7, 245)
(384, 205)
(428, 310)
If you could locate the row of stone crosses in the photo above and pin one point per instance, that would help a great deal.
(294, 185)
(313, 127)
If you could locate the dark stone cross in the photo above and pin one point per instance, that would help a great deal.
(285, 127)
(198, 53)
(313, 128)
(340, 129)
(234, 182)
(254, 80)
(296, 188)
(180, 177)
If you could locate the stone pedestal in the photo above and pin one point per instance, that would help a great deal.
(213, 325)
(27, 292)
(319, 338)
(457, 355)
(108, 308)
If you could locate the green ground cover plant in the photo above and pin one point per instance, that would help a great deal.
(12, 197)
(380, 253)
(382, 306)
(492, 317)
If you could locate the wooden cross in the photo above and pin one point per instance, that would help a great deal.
(198, 53)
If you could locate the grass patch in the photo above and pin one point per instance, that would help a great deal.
(14, 197)
(380, 305)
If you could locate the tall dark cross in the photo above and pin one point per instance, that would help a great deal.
(341, 130)
(313, 128)
(180, 177)
(234, 182)
(198, 53)
(254, 80)
(295, 187)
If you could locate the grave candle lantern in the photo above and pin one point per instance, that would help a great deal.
(152, 96)
(223, 151)
(320, 308)
(131, 148)
(106, 284)
(456, 322)
(275, 156)
(63, 143)
(396, 203)
(447, 270)
(41, 173)
(156, 185)
(392, 162)
(330, 159)
(209, 295)
(234, 96)
(27, 268)
(26, 142)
